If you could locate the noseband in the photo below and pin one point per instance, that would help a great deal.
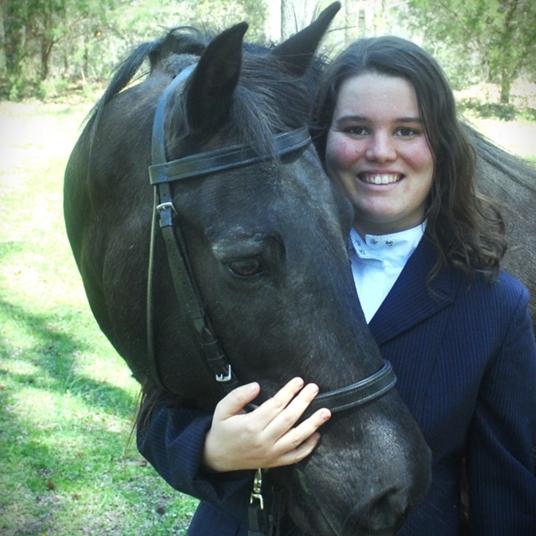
(162, 173)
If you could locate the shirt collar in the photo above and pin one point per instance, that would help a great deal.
(391, 249)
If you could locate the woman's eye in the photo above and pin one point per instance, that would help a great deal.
(245, 267)
(356, 131)
(406, 131)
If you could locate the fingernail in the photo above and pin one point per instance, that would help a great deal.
(298, 382)
(325, 415)
(313, 388)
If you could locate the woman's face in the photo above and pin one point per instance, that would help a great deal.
(378, 153)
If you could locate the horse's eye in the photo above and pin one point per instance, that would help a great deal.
(245, 267)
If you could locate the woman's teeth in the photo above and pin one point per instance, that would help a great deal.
(380, 179)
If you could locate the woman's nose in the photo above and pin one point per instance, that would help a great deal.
(381, 148)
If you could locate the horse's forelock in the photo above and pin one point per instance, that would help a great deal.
(268, 101)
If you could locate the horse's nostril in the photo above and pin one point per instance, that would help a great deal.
(389, 510)
(396, 500)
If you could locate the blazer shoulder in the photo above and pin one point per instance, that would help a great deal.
(509, 288)
(501, 300)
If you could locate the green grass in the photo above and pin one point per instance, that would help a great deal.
(67, 401)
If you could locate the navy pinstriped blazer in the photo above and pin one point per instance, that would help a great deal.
(466, 365)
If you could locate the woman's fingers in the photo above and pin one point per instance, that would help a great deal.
(274, 406)
(299, 453)
(283, 442)
(289, 415)
(236, 400)
(297, 443)
(267, 436)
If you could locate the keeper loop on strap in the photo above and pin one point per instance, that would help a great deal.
(222, 378)
(167, 212)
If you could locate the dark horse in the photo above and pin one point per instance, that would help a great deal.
(263, 235)
(511, 182)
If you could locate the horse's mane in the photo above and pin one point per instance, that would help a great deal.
(268, 98)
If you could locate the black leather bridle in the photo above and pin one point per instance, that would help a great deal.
(162, 173)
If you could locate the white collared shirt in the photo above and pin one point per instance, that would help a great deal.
(377, 262)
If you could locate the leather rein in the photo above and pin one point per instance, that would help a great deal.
(162, 174)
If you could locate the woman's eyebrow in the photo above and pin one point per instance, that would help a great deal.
(408, 120)
(361, 118)
(345, 118)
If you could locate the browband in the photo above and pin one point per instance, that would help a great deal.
(226, 158)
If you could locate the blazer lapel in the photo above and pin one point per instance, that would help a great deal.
(409, 302)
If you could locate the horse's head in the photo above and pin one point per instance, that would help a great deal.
(266, 245)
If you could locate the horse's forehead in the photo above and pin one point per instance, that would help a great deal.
(278, 211)
(276, 187)
(310, 185)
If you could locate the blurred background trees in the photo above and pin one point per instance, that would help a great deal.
(492, 40)
(48, 46)
(46, 43)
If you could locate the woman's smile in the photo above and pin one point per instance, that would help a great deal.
(378, 178)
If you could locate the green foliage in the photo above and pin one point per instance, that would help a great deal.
(505, 112)
(67, 400)
(36, 30)
(492, 40)
(83, 40)
(55, 44)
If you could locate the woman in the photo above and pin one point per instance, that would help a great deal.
(425, 252)
(426, 260)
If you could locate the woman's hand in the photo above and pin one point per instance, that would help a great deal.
(264, 437)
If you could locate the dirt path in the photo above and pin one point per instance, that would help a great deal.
(518, 137)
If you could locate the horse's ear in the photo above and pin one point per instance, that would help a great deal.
(298, 51)
(215, 78)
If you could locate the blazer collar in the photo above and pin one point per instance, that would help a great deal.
(410, 302)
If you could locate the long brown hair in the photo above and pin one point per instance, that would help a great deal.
(466, 228)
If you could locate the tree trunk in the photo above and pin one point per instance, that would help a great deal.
(273, 22)
(3, 57)
(505, 88)
(355, 20)
(295, 15)
(350, 25)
